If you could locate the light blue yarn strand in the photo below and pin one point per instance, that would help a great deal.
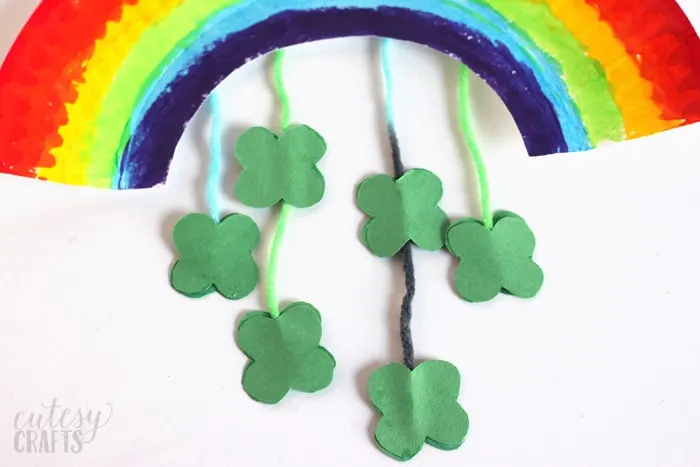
(388, 83)
(215, 158)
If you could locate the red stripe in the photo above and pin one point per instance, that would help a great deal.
(659, 33)
(37, 78)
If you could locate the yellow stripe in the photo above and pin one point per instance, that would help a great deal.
(73, 157)
(632, 93)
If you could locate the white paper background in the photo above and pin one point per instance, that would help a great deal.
(601, 369)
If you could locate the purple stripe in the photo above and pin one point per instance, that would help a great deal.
(148, 153)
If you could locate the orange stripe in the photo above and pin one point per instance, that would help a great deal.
(73, 158)
(633, 94)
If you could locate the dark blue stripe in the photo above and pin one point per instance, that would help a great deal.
(148, 153)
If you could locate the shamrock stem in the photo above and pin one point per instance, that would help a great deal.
(215, 158)
(477, 158)
(399, 168)
(281, 90)
(273, 262)
(406, 307)
(285, 209)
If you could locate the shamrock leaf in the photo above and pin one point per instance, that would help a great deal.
(215, 256)
(494, 260)
(285, 353)
(402, 210)
(418, 406)
(280, 168)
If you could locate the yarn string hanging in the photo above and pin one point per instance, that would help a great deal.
(406, 251)
(473, 147)
(285, 210)
(215, 252)
(215, 157)
(504, 263)
(417, 403)
(283, 346)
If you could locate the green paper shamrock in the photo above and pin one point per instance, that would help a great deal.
(285, 353)
(418, 406)
(494, 260)
(280, 168)
(215, 256)
(402, 210)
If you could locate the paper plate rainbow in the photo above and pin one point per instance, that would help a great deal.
(98, 92)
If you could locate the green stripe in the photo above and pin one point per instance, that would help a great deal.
(584, 77)
(157, 45)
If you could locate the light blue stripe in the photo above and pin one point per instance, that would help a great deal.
(474, 15)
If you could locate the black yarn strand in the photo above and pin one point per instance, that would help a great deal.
(399, 168)
(408, 268)
(407, 307)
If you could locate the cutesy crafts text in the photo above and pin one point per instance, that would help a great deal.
(58, 429)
